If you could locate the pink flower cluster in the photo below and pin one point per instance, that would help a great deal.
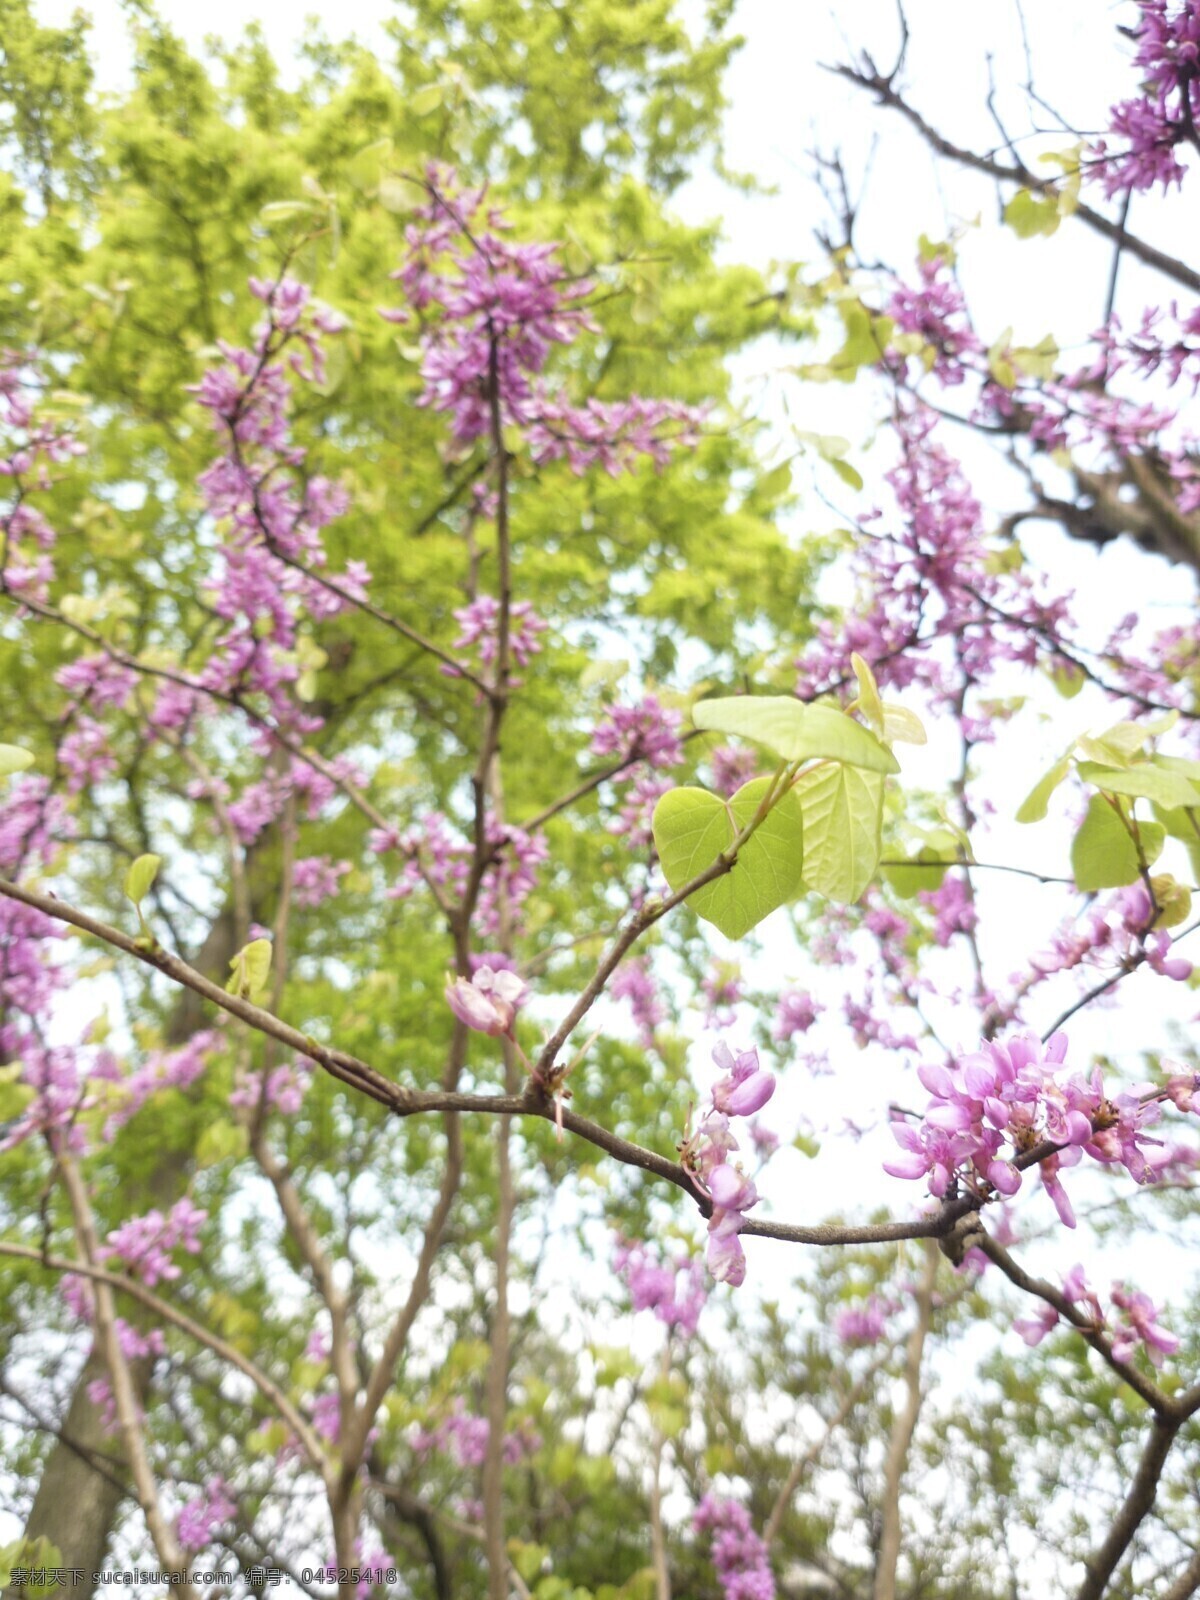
(1116, 929)
(465, 1439)
(480, 629)
(1135, 1321)
(634, 819)
(927, 579)
(1005, 1100)
(646, 732)
(283, 1089)
(1152, 126)
(144, 1244)
(722, 989)
(862, 1323)
(675, 1291)
(738, 1554)
(33, 824)
(633, 982)
(744, 1088)
(162, 1069)
(795, 1013)
(315, 879)
(953, 907)
(435, 853)
(731, 768)
(201, 1516)
(29, 447)
(272, 574)
(936, 310)
(491, 313)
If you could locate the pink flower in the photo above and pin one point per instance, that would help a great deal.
(746, 1087)
(489, 1001)
(863, 1323)
(795, 1013)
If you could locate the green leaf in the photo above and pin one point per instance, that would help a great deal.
(14, 1095)
(843, 817)
(1066, 679)
(846, 472)
(1151, 836)
(1147, 781)
(13, 760)
(34, 1555)
(902, 726)
(926, 870)
(692, 828)
(527, 1558)
(1036, 803)
(1036, 360)
(1103, 855)
(249, 969)
(426, 100)
(796, 731)
(1121, 744)
(221, 1141)
(869, 702)
(140, 878)
(1028, 216)
(1174, 901)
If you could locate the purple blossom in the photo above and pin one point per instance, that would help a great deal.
(1152, 126)
(1139, 1324)
(200, 1517)
(862, 1323)
(315, 879)
(731, 768)
(937, 312)
(479, 625)
(795, 1013)
(738, 1554)
(144, 1244)
(634, 817)
(464, 1437)
(744, 1089)
(675, 1292)
(492, 312)
(646, 732)
(953, 906)
(633, 982)
(722, 990)
(1005, 1099)
(489, 1001)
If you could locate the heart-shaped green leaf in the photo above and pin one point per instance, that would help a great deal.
(795, 731)
(693, 827)
(843, 814)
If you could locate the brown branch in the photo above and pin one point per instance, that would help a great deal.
(1187, 1583)
(162, 1308)
(125, 1403)
(812, 1455)
(886, 93)
(1161, 1404)
(1136, 1507)
(903, 1428)
(533, 1101)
